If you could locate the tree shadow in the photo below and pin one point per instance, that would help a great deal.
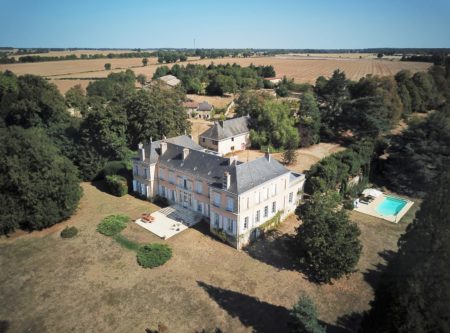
(4, 326)
(372, 275)
(274, 249)
(263, 317)
(349, 323)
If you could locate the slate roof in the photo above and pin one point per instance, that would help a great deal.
(244, 176)
(227, 129)
(205, 106)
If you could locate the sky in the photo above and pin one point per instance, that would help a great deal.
(316, 24)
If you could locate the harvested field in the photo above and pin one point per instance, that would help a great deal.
(64, 85)
(90, 283)
(78, 53)
(302, 69)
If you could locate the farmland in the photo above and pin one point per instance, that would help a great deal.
(301, 68)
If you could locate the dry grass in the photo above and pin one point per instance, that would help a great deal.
(78, 53)
(198, 127)
(306, 157)
(216, 101)
(302, 69)
(49, 284)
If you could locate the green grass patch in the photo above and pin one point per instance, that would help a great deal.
(126, 243)
(153, 255)
(69, 232)
(113, 224)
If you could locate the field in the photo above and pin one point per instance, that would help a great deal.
(78, 53)
(91, 284)
(301, 68)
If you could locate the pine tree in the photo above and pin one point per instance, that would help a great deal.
(303, 317)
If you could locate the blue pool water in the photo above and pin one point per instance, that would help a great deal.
(391, 206)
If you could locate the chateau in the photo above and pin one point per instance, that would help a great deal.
(236, 198)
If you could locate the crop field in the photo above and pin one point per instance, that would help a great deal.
(76, 52)
(301, 68)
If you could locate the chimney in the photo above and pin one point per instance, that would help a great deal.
(163, 147)
(141, 152)
(226, 180)
(232, 160)
(185, 153)
(267, 154)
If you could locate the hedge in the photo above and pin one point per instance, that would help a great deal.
(69, 232)
(153, 255)
(113, 224)
(116, 185)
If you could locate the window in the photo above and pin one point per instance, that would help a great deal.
(230, 204)
(216, 199)
(171, 177)
(230, 225)
(232, 147)
(142, 189)
(232, 139)
(257, 197)
(274, 193)
(199, 207)
(136, 170)
(145, 173)
(248, 202)
(199, 187)
(216, 220)
(173, 195)
(257, 216)
(291, 197)
(203, 139)
(161, 174)
(274, 207)
(266, 211)
(135, 185)
(185, 183)
(246, 223)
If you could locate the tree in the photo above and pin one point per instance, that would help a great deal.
(290, 156)
(76, 98)
(142, 79)
(380, 55)
(116, 87)
(416, 157)
(107, 66)
(221, 84)
(155, 112)
(303, 317)
(327, 241)
(144, 62)
(40, 187)
(309, 122)
(414, 291)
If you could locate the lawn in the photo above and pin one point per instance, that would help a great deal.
(91, 283)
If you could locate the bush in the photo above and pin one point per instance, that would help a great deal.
(153, 255)
(117, 185)
(113, 168)
(303, 317)
(113, 224)
(160, 201)
(69, 232)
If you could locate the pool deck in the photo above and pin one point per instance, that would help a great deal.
(370, 209)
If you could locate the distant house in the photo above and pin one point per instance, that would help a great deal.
(170, 80)
(273, 80)
(227, 136)
(198, 110)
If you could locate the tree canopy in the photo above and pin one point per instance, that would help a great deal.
(327, 242)
(40, 186)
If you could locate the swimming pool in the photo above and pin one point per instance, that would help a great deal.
(391, 206)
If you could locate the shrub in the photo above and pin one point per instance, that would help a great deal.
(113, 168)
(160, 201)
(153, 255)
(117, 185)
(113, 224)
(303, 317)
(69, 232)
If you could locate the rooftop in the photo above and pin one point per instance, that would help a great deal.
(227, 129)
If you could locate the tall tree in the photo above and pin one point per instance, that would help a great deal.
(309, 121)
(154, 113)
(40, 187)
(144, 62)
(327, 241)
